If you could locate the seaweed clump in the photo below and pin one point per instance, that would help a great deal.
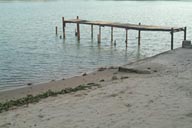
(34, 99)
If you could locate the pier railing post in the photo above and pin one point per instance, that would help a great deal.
(91, 31)
(139, 36)
(185, 33)
(111, 34)
(126, 40)
(63, 26)
(78, 29)
(172, 36)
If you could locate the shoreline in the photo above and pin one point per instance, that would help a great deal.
(56, 85)
(12, 87)
(153, 92)
(78, 74)
(69, 82)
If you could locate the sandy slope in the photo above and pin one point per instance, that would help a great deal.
(161, 99)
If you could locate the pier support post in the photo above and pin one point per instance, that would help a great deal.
(185, 33)
(78, 29)
(172, 36)
(126, 40)
(56, 30)
(91, 31)
(139, 36)
(63, 26)
(99, 35)
(111, 34)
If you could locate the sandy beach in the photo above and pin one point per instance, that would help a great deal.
(152, 93)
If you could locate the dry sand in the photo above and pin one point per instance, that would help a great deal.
(159, 99)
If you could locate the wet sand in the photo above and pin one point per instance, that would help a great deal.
(154, 92)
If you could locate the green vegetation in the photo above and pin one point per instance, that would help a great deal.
(34, 99)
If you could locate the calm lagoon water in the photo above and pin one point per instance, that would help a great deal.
(31, 53)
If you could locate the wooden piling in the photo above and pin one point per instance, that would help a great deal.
(111, 34)
(99, 35)
(56, 30)
(63, 26)
(126, 40)
(78, 29)
(172, 36)
(139, 36)
(185, 33)
(91, 31)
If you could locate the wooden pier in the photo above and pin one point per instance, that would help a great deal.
(125, 26)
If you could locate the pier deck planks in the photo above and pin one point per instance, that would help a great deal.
(126, 25)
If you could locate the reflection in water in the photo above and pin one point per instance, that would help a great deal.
(78, 44)
(99, 46)
(138, 52)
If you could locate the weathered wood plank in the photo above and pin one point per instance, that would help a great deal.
(126, 25)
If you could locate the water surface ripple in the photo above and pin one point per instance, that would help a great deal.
(31, 53)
